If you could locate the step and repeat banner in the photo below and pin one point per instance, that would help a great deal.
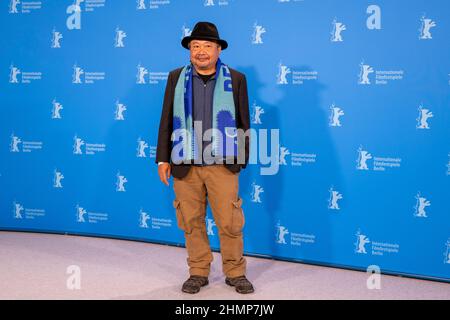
(356, 92)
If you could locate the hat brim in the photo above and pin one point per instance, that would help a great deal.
(186, 40)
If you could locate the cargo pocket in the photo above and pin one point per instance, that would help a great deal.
(237, 217)
(180, 218)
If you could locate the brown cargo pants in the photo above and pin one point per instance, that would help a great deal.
(220, 186)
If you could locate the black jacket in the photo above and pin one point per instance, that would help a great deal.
(164, 148)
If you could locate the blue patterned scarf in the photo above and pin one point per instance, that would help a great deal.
(224, 133)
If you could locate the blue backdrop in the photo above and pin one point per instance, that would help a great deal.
(359, 90)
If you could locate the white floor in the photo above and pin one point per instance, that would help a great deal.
(34, 266)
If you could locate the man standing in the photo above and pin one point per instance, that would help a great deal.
(206, 101)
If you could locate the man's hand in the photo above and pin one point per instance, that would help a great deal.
(164, 172)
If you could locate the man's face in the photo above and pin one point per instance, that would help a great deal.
(204, 54)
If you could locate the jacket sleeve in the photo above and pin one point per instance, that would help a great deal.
(244, 116)
(164, 147)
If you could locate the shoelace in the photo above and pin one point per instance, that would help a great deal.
(242, 282)
(195, 281)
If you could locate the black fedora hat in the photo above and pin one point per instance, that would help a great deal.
(204, 31)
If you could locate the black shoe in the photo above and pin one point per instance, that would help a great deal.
(241, 284)
(194, 283)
